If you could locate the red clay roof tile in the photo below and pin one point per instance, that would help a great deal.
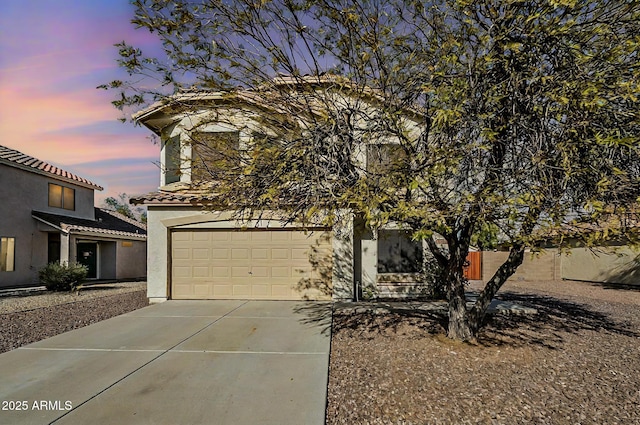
(12, 156)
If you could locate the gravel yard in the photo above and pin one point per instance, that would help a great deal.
(31, 316)
(575, 362)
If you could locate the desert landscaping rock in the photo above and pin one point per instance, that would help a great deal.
(575, 362)
(29, 318)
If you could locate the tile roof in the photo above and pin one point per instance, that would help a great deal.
(106, 222)
(182, 197)
(177, 193)
(18, 159)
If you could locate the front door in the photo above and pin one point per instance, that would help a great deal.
(88, 255)
(53, 249)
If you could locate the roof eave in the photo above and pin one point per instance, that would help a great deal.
(109, 235)
(49, 224)
(50, 175)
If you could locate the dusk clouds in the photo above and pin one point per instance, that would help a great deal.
(53, 54)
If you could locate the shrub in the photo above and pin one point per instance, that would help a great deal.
(63, 276)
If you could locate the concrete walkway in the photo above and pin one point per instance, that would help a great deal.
(180, 362)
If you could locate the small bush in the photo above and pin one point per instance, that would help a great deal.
(63, 277)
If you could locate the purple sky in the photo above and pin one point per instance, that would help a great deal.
(53, 54)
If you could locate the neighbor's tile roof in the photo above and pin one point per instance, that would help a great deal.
(106, 222)
(18, 159)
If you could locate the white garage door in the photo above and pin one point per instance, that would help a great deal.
(251, 264)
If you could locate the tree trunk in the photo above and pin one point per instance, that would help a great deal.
(506, 270)
(459, 327)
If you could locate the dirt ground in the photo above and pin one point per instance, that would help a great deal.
(575, 362)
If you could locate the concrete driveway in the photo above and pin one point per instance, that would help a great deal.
(180, 362)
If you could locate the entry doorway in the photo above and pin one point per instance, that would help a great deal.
(87, 254)
(53, 247)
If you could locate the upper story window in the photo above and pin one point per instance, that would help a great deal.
(172, 169)
(62, 197)
(381, 158)
(7, 254)
(214, 153)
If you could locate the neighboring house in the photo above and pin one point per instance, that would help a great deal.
(48, 215)
(200, 254)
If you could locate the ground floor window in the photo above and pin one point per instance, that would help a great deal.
(7, 254)
(397, 253)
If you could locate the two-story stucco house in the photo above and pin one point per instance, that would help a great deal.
(48, 215)
(197, 253)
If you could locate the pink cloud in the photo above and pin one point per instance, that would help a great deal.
(51, 59)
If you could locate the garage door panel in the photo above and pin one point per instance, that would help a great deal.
(280, 236)
(184, 290)
(240, 253)
(259, 272)
(280, 290)
(200, 254)
(300, 254)
(201, 236)
(259, 253)
(182, 272)
(240, 236)
(242, 291)
(260, 291)
(220, 254)
(280, 271)
(222, 290)
(199, 244)
(181, 253)
(220, 272)
(260, 237)
(201, 290)
(279, 254)
(302, 236)
(252, 264)
(200, 272)
(220, 236)
(181, 236)
(241, 272)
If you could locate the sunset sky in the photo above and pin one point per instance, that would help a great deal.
(53, 54)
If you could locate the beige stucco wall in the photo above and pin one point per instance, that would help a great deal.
(131, 261)
(604, 264)
(607, 265)
(535, 266)
(161, 220)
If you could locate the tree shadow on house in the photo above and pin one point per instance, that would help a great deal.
(327, 267)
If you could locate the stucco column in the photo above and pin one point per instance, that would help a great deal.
(64, 247)
(343, 257)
